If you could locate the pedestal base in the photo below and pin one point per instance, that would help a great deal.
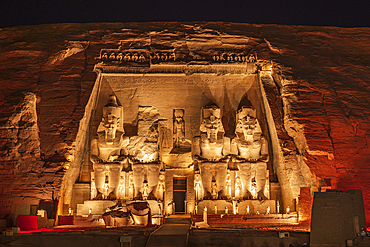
(255, 206)
(250, 219)
(98, 207)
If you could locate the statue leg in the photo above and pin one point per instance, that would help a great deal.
(138, 177)
(221, 173)
(121, 189)
(261, 178)
(114, 176)
(245, 177)
(99, 176)
(153, 178)
(206, 175)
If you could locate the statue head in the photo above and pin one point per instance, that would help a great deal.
(197, 177)
(247, 123)
(211, 122)
(111, 120)
(179, 114)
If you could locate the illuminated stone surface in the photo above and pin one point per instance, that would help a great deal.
(317, 93)
(106, 155)
(209, 149)
(251, 151)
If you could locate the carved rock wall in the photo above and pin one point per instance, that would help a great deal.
(318, 95)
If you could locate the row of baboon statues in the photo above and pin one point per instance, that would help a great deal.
(142, 57)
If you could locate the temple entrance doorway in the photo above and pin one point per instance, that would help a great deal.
(179, 194)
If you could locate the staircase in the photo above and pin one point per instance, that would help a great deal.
(174, 232)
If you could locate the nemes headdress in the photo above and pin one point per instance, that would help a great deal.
(112, 110)
(211, 110)
(213, 113)
(246, 113)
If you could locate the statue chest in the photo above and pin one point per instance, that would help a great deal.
(250, 151)
(105, 150)
(211, 151)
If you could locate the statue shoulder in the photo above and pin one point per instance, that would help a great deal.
(94, 141)
(204, 138)
(196, 138)
(125, 140)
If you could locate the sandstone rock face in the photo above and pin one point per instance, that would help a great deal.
(318, 95)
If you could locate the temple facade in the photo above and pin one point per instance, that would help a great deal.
(182, 135)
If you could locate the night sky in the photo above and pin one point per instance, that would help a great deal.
(343, 13)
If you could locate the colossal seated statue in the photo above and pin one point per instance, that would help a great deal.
(144, 152)
(250, 151)
(115, 156)
(107, 153)
(209, 153)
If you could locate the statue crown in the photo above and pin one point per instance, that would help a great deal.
(246, 111)
(211, 111)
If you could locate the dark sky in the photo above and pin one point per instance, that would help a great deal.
(343, 13)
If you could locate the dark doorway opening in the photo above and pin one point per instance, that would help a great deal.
(179, 194)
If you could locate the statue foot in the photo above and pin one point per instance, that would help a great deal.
(221, 195)
(99, 196)
(151, 196)
(248, 196)
(208, 196)
(261, 196)
(222, 198)
(112, 196)
(139, 196)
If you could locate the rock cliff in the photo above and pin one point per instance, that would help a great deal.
(318, 94)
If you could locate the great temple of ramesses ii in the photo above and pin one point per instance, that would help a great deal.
(184, 134)
(165, 119)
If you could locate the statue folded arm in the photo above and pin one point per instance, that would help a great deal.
(264, 150)
(94, 152)
(226, 149)
(195, 148)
